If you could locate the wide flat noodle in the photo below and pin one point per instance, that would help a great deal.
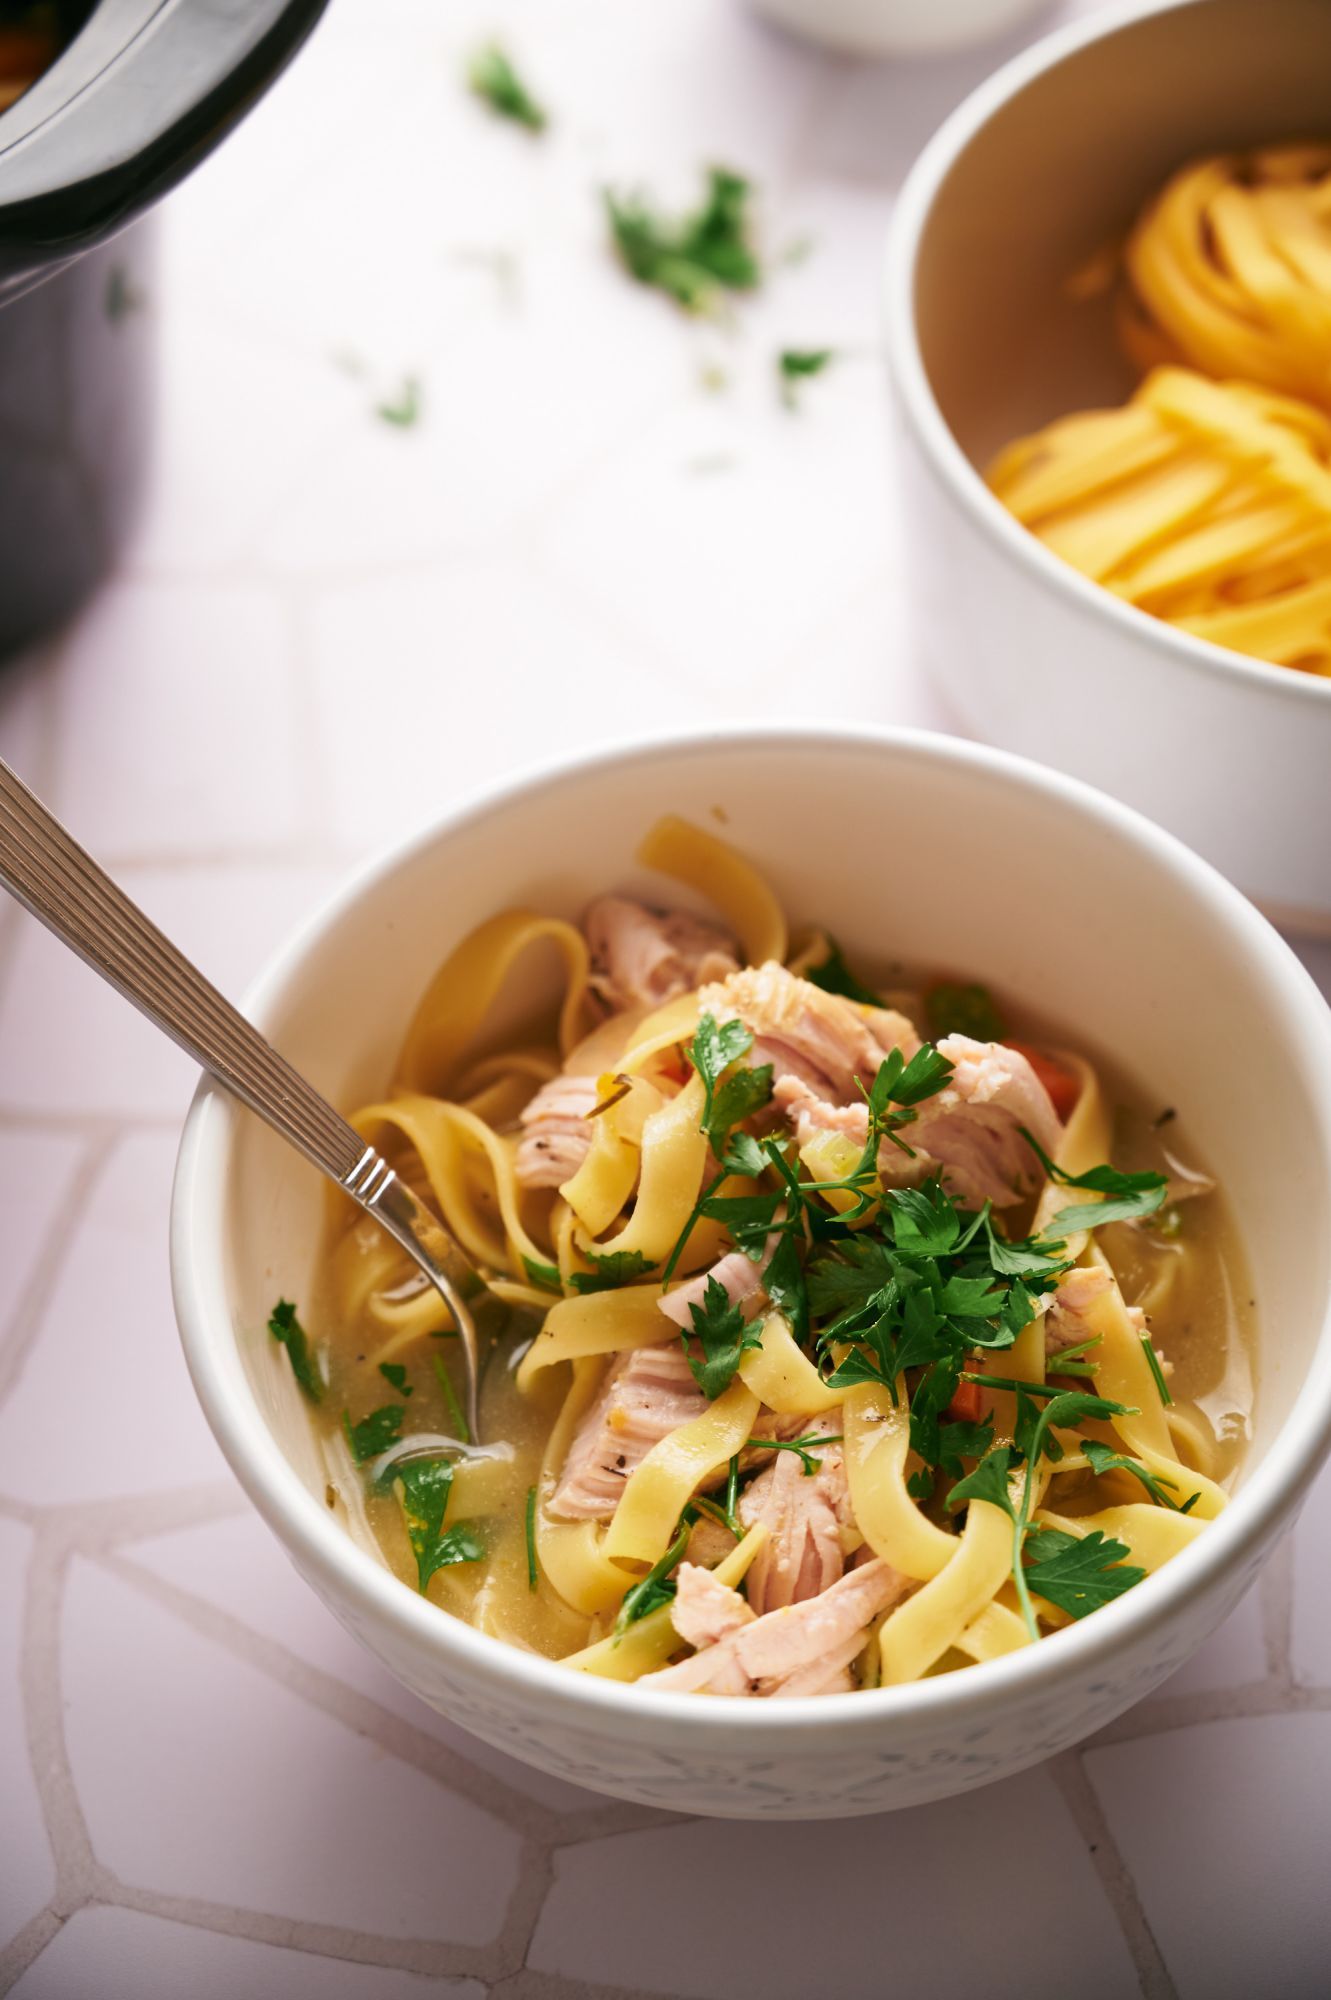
(918, 1633)
(877, 1450)
(655, 1494)
(714, 869)
(650, 1643)
(467, 984)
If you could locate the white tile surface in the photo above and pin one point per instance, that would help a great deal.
(243, 1794)
(241, 1568)
(1226, 1829)
(84, 1420)
(325, 628)
(112, 1062)
(836, 1908)
(27, 1879)
(113, 1954)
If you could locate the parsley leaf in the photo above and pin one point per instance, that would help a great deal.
(618, 1267)
(374, 1433)
(287, 1330)
(715, 1046)
(406, 411)
(654, 1589)
(963, 1010)
(533, 1572)
(835, 976)
(423, 1486)
(396, 1375)
(492, 77)
(795, 365)
(697, 258)
(1079, 1573)
(806, 1448)
(1103, 1458)
(723, 1335)
(546, 1276)
(450, 1396)
(989, 1481)
(1133, 1195)
(1153, 1363)
(736, 1099)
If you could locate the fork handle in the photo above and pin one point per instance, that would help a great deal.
(46, 869)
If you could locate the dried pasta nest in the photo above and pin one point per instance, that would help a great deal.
(1229, 271)
(1205, 503)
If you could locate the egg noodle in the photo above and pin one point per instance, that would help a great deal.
(915, 1508)
(1206, 500)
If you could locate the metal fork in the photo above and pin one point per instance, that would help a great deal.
(46, 869)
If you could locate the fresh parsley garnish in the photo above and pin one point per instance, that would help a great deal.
(1103, 1458)
(396, 1375)
(1131, 1195)
(1153, 1363)
(423, 1487)
(374, 1433)
(655, 1589)
(449, 1394)
(617, 1267)
(806, 1447)
(545, 1276)
(492, 77)
(721, 1331)
(404, 410)
(287, 1330)
(795, 365)
(530, 1525)
(1034, 1440)
(835, 976)
(1078, 1573)
(694, 259)
(963, 1010)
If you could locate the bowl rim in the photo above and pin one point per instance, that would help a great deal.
(911, 218)
(323, 1548)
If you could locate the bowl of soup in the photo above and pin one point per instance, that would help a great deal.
(897, 1169)
(1076, 256)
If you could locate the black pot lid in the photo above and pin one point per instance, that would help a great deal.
(142, 93)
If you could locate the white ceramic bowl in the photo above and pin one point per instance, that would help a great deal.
(1045, 164)
(903, 844)
(896, 27)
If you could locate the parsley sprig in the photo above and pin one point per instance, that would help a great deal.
(1130, 1195)
(694, 259)
(492, 77)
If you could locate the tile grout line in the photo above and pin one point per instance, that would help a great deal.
(360, 1714)
(27, 1945)
(26, 1317)
(43, 1708)
(1068, 1773)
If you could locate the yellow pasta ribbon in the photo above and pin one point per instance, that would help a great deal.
(876, 1448)
(714, 869)
(649, 1644)
(655, 1493)
(463, 991)
(572, 1553)
(674, 1153)
(920, 1631)
(580, 1329)
(782, 1376)
(1152, 1534)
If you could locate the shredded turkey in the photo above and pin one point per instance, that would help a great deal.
(642, 958)
(556, 1131)
(646, 1395)
(804, 1514)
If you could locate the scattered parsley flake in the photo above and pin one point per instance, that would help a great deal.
(654, 1589)
(617, 1267)
(1131, 1195)
(833, 975)
(797, 364)
(955, 1009)
(373, 1434)
(545, 1276)
(1153, 1362)
(287, 1330)
(492, 77)
(694, 260)
(396, 1375)
(406, 409)
(455, 1411)
(805, 1447)
(532, 1570)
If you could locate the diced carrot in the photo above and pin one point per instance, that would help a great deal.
(967, 1405)
(1063, 1085)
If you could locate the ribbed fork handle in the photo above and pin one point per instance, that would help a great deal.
(63, 886)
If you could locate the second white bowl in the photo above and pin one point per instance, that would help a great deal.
(1043, 166)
